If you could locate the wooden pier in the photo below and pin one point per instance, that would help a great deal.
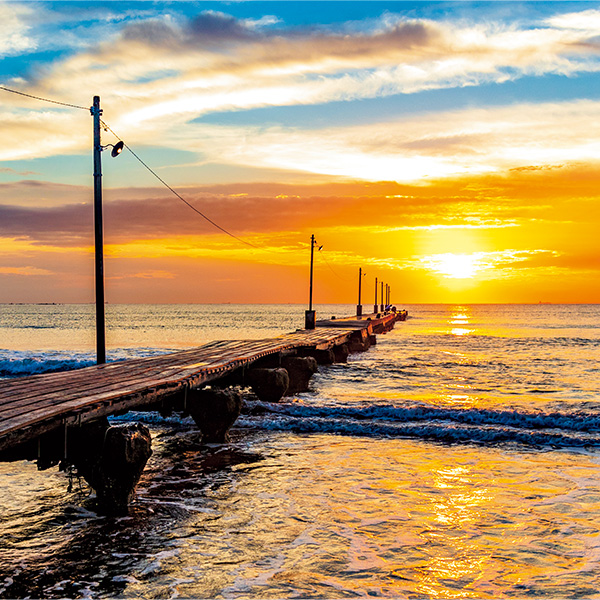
(42, 417)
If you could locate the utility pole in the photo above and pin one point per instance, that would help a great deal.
(375, 307)
(98, 236)
(310, 314)
(359, 305)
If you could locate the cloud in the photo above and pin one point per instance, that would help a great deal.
(154, 274)
(585, 20)
(44, 213)
(160, 74)
(26, 271)
(485, 266)
(14, 31)
(10, 171)
(444, 144)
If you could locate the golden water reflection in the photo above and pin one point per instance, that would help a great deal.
(460, 317)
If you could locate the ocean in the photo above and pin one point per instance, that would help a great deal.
(457, 458)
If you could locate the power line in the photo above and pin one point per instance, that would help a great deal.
(138, 158)
(177, 194)
(331, 268)
(42, 99)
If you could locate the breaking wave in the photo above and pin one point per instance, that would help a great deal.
(20, 363)
(552, 429)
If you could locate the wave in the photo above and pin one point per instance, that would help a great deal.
(15, 363)
(23, 366)
(552, 429)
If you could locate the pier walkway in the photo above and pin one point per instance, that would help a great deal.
(61, 418)
(33, 405)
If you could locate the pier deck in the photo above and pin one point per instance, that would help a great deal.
(34, 405)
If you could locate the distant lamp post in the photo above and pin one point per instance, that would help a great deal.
(117, 148)
(375, 307)
(359, 305)
(310, 314)
(382, 300)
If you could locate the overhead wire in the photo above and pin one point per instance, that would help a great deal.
(199, 212)
(6, 89)
(235, 237)
(330, 267)
(107, 128)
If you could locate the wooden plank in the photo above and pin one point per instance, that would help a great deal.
(37, 403)
(93, 387)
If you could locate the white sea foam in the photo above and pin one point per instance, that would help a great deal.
(556, 430)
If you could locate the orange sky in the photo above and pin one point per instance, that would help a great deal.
(452, 153)
(523, 236)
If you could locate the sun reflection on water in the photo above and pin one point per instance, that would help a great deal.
(460, 317)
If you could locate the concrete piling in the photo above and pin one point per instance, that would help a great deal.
(214, 411)
(269, 385)
(300, 369)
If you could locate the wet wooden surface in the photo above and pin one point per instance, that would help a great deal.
(31, 405)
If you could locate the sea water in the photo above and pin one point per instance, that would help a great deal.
(457, 458)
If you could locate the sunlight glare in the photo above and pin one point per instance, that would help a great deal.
(454, 266)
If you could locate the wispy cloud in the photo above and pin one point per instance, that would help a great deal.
(26, 271)
(483, 265)
(158, 75)
(14, 31)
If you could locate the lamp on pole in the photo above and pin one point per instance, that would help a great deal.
(359, 305)
(382, 300)
(310, 314)
(117, 148)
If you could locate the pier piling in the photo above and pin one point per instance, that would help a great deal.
(61, 418)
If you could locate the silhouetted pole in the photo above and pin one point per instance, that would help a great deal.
(382, 300)
(359, 305)
(309, 315)
(98, 236)
(375, 308)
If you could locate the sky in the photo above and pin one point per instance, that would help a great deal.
(450, 149)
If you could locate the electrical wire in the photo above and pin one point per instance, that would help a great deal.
(42, 99)
(331, 268)
(107, 128)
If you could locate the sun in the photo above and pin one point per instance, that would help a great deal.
(454, 266)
